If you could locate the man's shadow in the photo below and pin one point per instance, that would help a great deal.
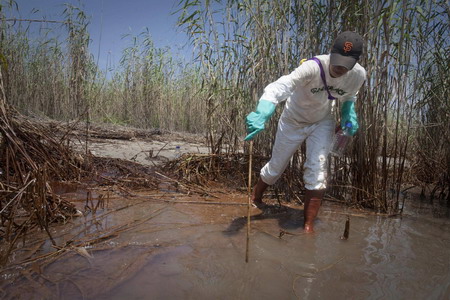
(288, 218)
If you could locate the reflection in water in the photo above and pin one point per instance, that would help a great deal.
(151, 247)
(379, 255)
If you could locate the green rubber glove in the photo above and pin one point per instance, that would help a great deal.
(255, 120)
(348, 114)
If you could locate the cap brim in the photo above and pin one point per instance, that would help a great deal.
(337, 59)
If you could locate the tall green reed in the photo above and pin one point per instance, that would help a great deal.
(51, 73)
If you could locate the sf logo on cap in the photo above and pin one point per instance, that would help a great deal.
(348, 46)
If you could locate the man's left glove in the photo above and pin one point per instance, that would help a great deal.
(348, 114)
(255, 120)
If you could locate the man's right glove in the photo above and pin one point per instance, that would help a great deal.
(348, 114)
(255, 120)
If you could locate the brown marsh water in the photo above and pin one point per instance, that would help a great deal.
(171, 246)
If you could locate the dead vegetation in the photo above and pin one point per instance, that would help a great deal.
(32, 157)
(201, 169)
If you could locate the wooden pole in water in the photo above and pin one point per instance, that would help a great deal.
(249, 191)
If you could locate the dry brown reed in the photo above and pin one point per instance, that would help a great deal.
(30, 158)
(35, 155)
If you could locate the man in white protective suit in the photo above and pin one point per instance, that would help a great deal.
(307, 116)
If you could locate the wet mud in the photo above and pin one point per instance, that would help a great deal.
(167, 245)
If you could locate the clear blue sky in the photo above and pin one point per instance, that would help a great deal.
(111, 19)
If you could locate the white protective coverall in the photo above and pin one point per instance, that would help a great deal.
(308, 115)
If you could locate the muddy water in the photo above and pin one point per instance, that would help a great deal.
(169, 246)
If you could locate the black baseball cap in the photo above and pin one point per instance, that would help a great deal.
(347, 48)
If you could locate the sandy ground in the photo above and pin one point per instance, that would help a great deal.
(151, 151)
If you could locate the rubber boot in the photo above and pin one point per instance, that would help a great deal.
(258, 192)
(313, 200)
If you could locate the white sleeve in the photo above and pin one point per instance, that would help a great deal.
(281, 89)
(358, 80)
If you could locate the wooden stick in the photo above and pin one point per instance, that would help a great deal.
(249, 204)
